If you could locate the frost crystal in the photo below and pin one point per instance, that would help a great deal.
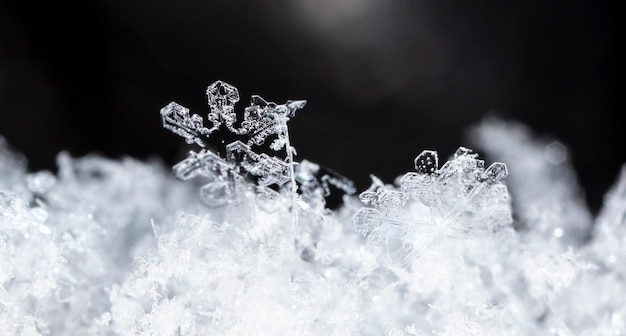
(463, 199)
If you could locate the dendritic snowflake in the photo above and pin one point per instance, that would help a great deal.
(261, 120)
(462, 200)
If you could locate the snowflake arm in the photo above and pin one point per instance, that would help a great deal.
(176, 118)
(262, 119)
(384, 220)
(270, 170)
(222, 98)
(205, 163)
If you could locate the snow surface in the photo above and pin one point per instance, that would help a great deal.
(120, 247)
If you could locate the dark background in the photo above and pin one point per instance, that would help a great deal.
(384, 79)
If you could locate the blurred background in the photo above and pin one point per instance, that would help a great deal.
(383, 79)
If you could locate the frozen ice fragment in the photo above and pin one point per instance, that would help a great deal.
(464, 151)
(293, 106)
(306, 172)
(496, 172)
(340, 182)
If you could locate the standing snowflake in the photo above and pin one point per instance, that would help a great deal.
(261, 120)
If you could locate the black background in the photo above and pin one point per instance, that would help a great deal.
(384, 79)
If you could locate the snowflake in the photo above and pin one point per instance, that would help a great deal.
(261, 120)
(462, 198)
